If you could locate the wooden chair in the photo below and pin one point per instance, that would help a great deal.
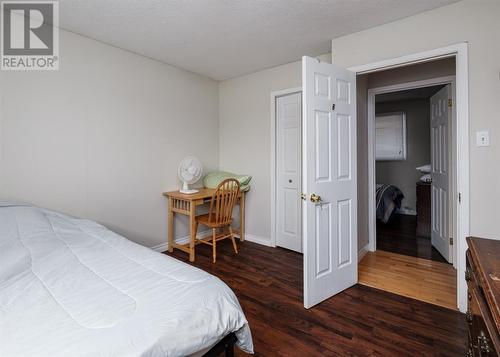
(220, 215)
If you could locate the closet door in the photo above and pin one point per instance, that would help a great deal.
(288, 171)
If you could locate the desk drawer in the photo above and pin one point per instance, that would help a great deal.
(480, 339)
(482, 333)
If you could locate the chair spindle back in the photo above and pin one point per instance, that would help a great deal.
(223, 201)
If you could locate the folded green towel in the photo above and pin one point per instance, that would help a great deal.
(213, 179)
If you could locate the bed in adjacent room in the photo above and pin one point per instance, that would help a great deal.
(71, 287)
(388, 199)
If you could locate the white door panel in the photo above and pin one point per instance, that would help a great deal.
(440, 125)
(329, 155)
(288, 171)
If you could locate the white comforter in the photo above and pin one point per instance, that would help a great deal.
(71, 287)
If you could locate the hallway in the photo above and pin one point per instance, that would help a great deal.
(421, 279)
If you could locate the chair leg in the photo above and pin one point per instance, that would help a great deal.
(233, 240)
(214, 244)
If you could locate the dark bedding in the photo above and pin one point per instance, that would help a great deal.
(388, 198)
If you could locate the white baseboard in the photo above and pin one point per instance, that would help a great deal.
(362, 252)
(249, 237)
(257, 239)
(183, 240)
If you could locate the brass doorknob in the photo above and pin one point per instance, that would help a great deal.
(315, 198)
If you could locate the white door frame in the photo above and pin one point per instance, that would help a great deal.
(460, 52)
(372, 92)
(274, 95)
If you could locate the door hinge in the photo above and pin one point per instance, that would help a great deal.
(459, 197)
(451, 240)
(449, 102)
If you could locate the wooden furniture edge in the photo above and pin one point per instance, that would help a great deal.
(226, 346)
(488, 293)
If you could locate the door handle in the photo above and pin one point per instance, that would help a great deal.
(315, 198)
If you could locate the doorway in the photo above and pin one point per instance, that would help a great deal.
(404, 202)
(441, 165)
(414, 201)
(331, 171)
(461, 227)
(287, 169)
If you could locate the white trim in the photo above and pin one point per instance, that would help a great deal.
(372, 243)
(463, 214)
(406, 60)
(163, 247)
(274, 95)
(259, 240)
(460, 51)
(412, 85)
(362, 252)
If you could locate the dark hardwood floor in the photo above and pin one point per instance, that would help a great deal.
(398, 236)
(360, 321)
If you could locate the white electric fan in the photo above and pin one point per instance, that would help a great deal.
(189, 171)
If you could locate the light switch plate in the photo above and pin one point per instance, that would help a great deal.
(482, 138)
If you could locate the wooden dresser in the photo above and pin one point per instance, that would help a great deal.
(483, 311)
(423, 209)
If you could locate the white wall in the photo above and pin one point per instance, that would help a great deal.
(245, 136)
(102, 137)
(474, 21)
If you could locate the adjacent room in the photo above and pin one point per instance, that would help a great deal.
(412, 221)
(276, 178)
(403, 161)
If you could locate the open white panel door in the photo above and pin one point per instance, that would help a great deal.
(440, 170)
(329, 179)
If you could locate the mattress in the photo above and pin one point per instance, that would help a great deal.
(71, 287)
(388, 198)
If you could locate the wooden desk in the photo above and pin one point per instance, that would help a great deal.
(186, 204)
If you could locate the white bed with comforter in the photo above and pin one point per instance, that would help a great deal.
(71, 287)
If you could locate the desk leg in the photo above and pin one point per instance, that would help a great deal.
(242, 217)
(170, 226)
(192, 228)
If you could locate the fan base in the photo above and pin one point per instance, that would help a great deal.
(188, 192)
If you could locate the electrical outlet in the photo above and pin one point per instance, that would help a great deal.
(483, 138)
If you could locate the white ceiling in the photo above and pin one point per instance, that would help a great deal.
(227, 38)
